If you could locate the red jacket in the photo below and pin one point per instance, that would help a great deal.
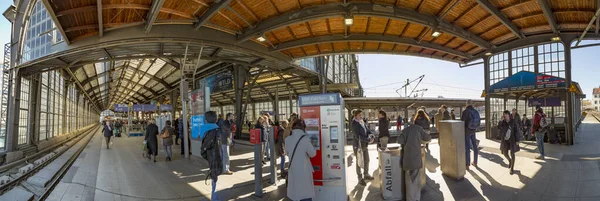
(536, 121)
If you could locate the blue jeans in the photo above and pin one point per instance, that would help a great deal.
(539, 138)
(471, 142)
(225, 156)
(213, 194)
(282, 162)
(169, 150)
(268, 150)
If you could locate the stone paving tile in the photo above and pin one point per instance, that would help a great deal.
(122, 174)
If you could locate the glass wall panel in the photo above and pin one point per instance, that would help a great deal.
(40, 34)
(24, 112)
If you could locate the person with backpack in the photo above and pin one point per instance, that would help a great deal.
(361, 142)
(211, 150)
(167, 134)
(280, 144)
(510, 137)
(472, 121)
(300, 183)
(540, 126)
(226, 141)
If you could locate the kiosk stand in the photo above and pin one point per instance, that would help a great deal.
(324, 118)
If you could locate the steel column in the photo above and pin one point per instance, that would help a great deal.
(184, 116)
(34, 108)
(488, 112)
(569, 123)
(174, 104)
(14, 104)
(240, 76)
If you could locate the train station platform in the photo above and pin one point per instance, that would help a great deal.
(121, 173)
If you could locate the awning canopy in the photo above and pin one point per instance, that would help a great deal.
(529, 84)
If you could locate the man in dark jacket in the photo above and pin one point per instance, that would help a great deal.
(526, 122)
(226, 141)
(211, 150)
(152, 140)
(384, 129)
(470, 136)
(361, 141)
(108, 133)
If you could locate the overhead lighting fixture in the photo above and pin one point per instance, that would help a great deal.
(261, 39)
(348, 20)
(555, 38)
(436, 34)
(488, 54)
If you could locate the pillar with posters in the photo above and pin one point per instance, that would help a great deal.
(325, 122)
(200, 103)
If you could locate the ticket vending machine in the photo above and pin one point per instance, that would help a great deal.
(325, 121)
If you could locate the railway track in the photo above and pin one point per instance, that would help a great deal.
(36, 180)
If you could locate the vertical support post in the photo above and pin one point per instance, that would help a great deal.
(174, 104)
(488, 105)
(34, 108)
(273, 161)
(14, 99)
(258, 189)
(510, 64)
(569, 102)
(291, 105)
(64, 106)
(184, 116)
(240, 77)
(254, 111)
(536, 60)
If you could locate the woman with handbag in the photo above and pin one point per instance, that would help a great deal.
(509, 133)
(300, 184)
(167, 134)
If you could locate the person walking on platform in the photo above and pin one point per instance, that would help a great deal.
(300, 185)
(108, 133)
(526, 122)
(226, 141)
(211, 150)
(540, 126)
(411, 140)
(515, 115)
(399, 123)
(118, 126)
(452, 116)
(176, 127)
(152, 140)
(509, 133)
(280, 144)
(422, 120)
(361, 141)
(268, 124)
(472, 120)
(384, 129)
(167, 139)
(263, 138)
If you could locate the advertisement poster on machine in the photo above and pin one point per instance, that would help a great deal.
(311, 116)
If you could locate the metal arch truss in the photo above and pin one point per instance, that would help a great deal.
(367, 38)
(129, 67)
(213, 10)
(153, 14)
(360, 9)
(489, 7)
(549, 15)
(154, 93)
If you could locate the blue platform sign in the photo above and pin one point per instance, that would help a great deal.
(166, 107)
(526, 81)
(197, 122)
(121, 108)
(319, 99)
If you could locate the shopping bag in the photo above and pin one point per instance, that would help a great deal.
(359, 157)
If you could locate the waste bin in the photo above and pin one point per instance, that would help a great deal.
(392, 182)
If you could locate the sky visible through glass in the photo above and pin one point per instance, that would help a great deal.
(382, 75)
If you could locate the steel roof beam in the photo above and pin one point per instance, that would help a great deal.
(100, 23)
(360, 9)
(57, 23)
(212, 11)
(152, 14)
(487, 5)
(154, 93)
(120, 94)
(596, 15)
(549, 15)
(367, 38)
(153, 77)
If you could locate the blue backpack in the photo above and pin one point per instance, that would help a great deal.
(475, 120)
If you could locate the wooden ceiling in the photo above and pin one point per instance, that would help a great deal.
(370, 33)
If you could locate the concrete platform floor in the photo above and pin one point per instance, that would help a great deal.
(570, 173)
